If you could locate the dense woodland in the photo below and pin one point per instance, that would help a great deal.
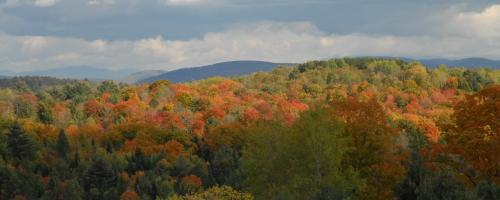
(339, 129)
(32, 83)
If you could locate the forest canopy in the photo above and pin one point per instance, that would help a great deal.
(347, 128)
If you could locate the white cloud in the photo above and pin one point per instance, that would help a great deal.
(66, 57)
(271, 41)
(99, 45)
(485, 23)
(34, 43)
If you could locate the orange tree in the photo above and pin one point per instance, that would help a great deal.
(475, 136)
(374, 151)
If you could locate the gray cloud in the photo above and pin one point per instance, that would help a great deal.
(459, 30)
(185, 19)
(183, 2)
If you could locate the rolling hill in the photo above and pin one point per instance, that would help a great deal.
(81, 72)
(225, 69)
(137, 76)
(466, 62)
(32, 82)
(6, 73)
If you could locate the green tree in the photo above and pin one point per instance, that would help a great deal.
(111, 88)
(45, 113)
(165, 188)
(69, 189)
(23, 108)
(108, 86)
(63, 145)
(225, 167)
(145, 186)
(99, 178)
(300, 161)
(441, 186)
(473, 80)
(31, 185)
(416, 170)
(77, 92)
(218, 193)
(20, 145)
(488, 190)
(7, 188)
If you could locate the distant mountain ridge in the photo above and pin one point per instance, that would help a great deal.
(224, 69)
(81, 72)
(138, 76)
(7, 73)
(32, 82)
(466, 62)
(235, 68)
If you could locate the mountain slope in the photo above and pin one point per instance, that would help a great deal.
(7, 73)
(81, 72)
(32, 82)
(232, 68)
(466, 62)
(137, 76)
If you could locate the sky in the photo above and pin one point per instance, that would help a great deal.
(171, 34)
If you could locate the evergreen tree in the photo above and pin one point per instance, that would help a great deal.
(75, 162)
(416, 170)
(442, 186)
(225, 168)
(20, 144)
(62, 145)
(99, 177)
(6, 186)
(137, 162)
(62, 190)
(488, 190)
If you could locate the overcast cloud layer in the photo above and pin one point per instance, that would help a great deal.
(169, 34)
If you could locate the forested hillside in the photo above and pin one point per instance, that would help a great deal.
(32, 83)
(81, 72)
(339, 129)
(224, 69)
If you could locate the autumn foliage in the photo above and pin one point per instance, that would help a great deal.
(348, 128)
(475, 135)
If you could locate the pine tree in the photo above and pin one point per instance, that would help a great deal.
(100, 177)
(19, 144)
(62, 145)
(6, 187)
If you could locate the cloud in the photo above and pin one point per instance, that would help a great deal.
(485, 23)
(101, 2)
(271, 41)
(182, 2)
(37, 3)
(45, 3)
(34, 44)
(66, 57)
